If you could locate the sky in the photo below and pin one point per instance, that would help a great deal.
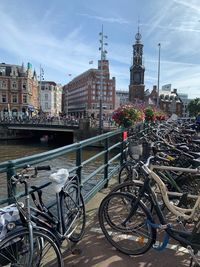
(62, 36)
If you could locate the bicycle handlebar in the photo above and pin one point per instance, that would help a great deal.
(43, 168)
(23, 175)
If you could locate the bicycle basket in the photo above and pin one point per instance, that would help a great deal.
(8, 214)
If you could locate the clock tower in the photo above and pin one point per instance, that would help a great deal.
(136, 87)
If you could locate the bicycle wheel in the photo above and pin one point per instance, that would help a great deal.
(133, 238)
(127, 172)
(133, 188)
(73, 212)
(15, 250)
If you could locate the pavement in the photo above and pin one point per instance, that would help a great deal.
(95, 251)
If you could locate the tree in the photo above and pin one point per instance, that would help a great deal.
(194, 107)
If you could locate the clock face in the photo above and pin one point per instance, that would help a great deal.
(137, 78)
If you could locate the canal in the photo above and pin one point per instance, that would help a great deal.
(14, 149)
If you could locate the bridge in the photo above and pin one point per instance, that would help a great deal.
(41, 127)
(72, 130)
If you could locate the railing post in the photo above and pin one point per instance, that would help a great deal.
(106, 159)
(11, 189)
(124, 139)
(79, 162)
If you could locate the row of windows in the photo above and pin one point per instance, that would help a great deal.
(84, 94)
(96, 106)
(14, 98)
(14, 85)
(103, 98)
(94, 86)
(105, 87)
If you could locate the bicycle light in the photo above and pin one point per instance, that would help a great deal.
(11, 226)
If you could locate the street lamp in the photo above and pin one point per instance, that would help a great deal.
(157, 103)
(67, 102)
(103, 56)
(41, 77)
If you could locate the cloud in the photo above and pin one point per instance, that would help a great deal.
(187, 4)
(106, 19)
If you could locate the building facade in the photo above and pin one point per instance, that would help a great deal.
(81, 96)
(136, 87)
(18, 91)
(122, 98)
(171, 103)
(50, 98)
(185, 100)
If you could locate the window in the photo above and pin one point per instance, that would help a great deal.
(2, 71)
(14, 85)
(24, 85)
(46, 105)
(14, 99)
(46, 96)
(24, 98)
(4, 98)
(4, 84)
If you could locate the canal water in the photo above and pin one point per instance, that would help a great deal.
(14, 149)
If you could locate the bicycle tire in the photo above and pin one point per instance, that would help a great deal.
(72, 205)
(127, 172)
(15, 249)
(134, 238)
(133, 187)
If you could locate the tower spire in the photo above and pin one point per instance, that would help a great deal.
(138, 24)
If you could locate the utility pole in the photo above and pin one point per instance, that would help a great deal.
(103, 53)
(159, 47)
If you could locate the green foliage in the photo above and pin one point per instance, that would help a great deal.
(194, 107)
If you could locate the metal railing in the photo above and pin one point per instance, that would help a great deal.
(106, 143)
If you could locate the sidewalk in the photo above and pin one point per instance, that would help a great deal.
(97, 252)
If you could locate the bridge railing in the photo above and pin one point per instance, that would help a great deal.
(109, 155)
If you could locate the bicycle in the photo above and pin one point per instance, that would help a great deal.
(130, 226)
(22, 242)
(69, 224)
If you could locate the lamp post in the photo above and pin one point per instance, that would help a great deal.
(159, 47)
(67, 102)
(41, 77)
(103, 53)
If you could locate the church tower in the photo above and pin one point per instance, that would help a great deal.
(136, 87)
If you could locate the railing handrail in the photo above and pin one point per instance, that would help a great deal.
(10, 166)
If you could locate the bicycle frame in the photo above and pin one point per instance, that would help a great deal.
(180, 212)
(58, 227)
(182, 236)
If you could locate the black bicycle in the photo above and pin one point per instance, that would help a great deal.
(69, 222)
(23, 243)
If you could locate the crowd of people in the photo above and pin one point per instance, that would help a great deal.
(42, 119)
(55, 120)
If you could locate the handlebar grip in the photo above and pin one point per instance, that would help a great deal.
(43, 168)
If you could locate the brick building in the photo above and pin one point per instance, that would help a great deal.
(81, 96)
(169, 101)
(18, 91)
